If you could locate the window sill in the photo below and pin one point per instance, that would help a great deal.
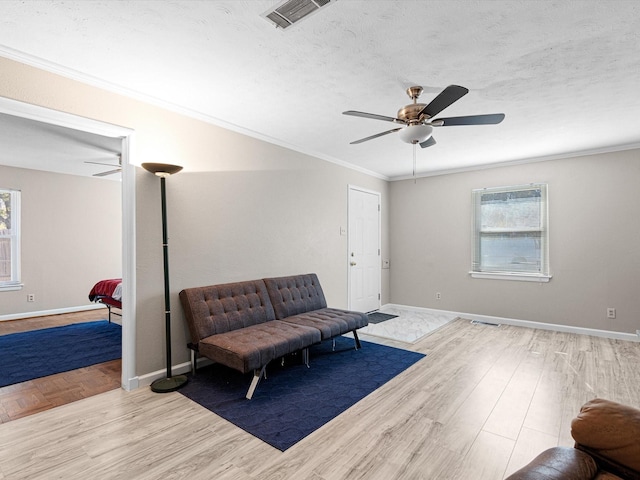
(10, 288)
(520, 277)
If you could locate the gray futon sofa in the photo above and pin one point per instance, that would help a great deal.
(246, 325)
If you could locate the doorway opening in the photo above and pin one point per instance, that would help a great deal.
(124, 138)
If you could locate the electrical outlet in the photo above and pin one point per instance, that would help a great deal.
(31, 297)
(611, 312)
(438, 296)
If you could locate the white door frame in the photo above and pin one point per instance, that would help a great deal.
(348, 258)
(54, 117)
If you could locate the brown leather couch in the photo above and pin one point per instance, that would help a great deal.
(607, 436)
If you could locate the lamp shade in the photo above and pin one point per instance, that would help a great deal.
(417, 133)
(161, 169)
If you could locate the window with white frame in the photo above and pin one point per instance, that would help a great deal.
(510, 233)
(9, 239)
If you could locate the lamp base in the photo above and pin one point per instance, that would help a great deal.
(170, 384)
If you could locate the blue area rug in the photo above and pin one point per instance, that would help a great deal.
(293, 401)
(39, 353)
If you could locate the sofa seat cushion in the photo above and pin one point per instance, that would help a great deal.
(330, 321)
(252, 347)
(558, 463)
(610, 430)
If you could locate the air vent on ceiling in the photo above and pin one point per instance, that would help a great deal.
(292, 11)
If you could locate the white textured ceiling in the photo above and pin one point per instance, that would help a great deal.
(565, 73)
(26, 143)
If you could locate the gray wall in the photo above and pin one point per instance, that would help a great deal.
(594, 222)
(71, 238)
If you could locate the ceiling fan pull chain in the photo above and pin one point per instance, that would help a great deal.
(414, 163)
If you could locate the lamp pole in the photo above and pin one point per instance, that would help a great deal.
(170, 383)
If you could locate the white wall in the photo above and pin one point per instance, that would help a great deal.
(71, 238)
(594, 216)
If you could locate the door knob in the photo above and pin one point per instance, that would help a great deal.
(353, 264)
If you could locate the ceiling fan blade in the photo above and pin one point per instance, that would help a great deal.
(372, 116)
(110, 172)
(491, 119)
(102, 163)
(428, 142)
(449, 95)
(375, 136)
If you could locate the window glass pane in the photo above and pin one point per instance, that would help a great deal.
(510, 252)
(518, 210)
(9, 236)
(5, 259)
(5, 212)
(5, 240)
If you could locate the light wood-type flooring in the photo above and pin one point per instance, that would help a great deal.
(27, 398)
(483, 403)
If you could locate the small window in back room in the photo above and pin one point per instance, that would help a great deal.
(9, 239)
(510, 233)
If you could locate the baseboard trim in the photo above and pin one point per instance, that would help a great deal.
(54, 311)
(527, 323)
(180, 369)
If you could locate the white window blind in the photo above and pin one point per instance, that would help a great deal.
(510, 233)
(9, 239)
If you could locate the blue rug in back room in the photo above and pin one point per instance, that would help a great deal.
(39, 353)
(293, 401)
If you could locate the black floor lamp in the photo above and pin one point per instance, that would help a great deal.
(170, 383)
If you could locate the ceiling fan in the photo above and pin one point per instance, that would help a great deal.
(118, 168)
(417, 118)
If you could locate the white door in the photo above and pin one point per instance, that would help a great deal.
(364, 250)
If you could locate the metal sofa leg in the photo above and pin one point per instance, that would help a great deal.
(257, 375)
(194, 356)
(355, 336)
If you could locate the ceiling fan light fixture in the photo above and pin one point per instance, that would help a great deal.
(417, 133)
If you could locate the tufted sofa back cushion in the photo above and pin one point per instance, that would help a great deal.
(222, 308)
(295, 294)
